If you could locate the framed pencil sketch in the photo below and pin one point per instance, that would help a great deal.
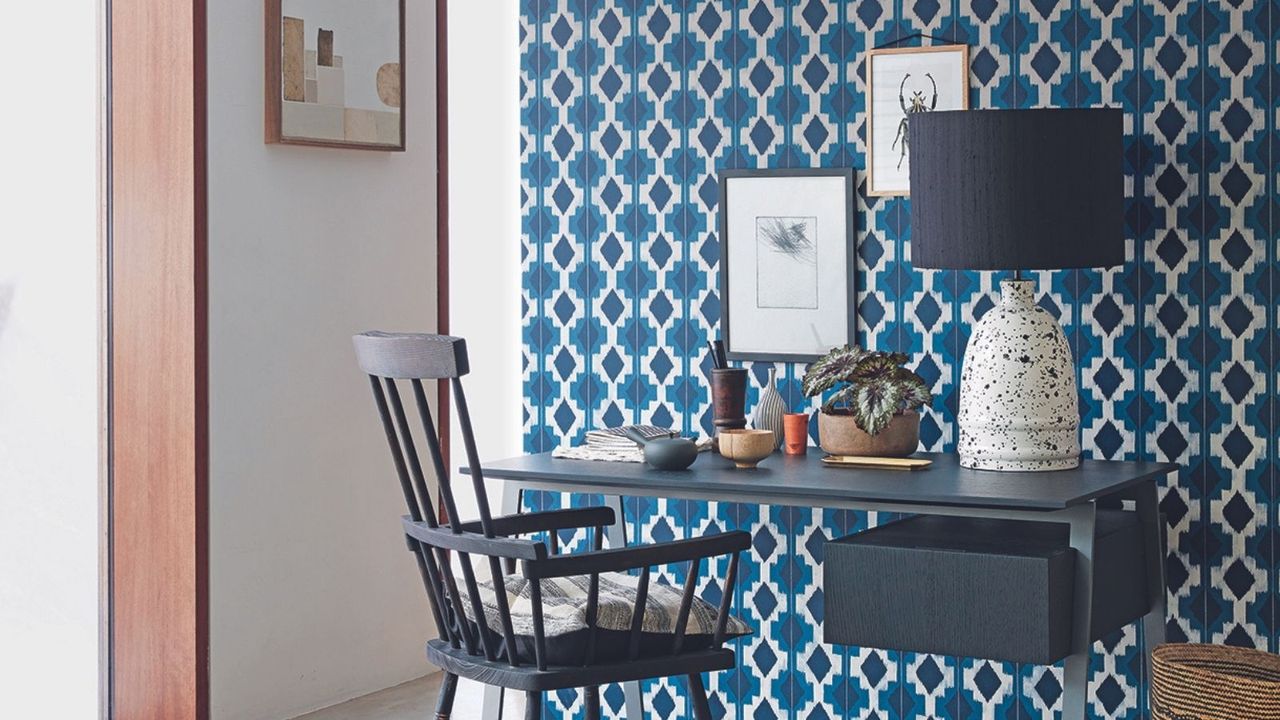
(900, 83)
(787, 286)
(335, 73)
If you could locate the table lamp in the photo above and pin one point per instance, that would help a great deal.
(1017, 190)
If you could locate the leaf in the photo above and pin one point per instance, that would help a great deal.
(875, 404)
(830, 370)
(877, 367)
(915, 393)
(843, 396)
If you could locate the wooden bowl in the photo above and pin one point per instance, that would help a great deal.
(746, 448)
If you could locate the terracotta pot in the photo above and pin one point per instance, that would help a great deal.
(796, 429)
(840, 435)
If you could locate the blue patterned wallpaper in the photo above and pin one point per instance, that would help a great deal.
(629, 107)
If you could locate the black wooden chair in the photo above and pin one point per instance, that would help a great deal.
(485, 634)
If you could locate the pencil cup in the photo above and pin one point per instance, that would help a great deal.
(729, 397)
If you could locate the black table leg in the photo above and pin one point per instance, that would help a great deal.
(1147, 499)
(617, 536)
(1075, 692)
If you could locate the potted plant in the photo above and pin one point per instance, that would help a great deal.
(875, 407)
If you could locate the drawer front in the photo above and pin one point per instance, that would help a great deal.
(1002, 607)
(997, 589)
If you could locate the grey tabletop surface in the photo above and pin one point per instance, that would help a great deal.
(805, 480)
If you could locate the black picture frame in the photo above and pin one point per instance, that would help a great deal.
(851, 278)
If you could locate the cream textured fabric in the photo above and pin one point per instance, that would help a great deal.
(564, 606)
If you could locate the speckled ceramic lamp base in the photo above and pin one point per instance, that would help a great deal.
(1019, 409)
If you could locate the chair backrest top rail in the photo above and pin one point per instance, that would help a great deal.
(404, 356)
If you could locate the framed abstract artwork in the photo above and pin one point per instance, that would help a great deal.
(335, 73)
(787, 285)
(900, 83)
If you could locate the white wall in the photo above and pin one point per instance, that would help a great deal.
(314, 598)
(484, 237)
(484, 211)
(49, 363)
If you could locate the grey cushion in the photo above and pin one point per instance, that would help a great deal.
(564, 603)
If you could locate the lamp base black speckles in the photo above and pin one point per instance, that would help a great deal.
(1019, 407)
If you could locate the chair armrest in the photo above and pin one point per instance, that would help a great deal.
(545, 521)
(474, 543)
(631, 558)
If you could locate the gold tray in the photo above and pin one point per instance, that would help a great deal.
(879, 463)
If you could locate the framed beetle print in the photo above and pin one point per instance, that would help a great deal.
(900, 83)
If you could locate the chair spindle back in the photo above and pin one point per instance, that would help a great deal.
(390, 359)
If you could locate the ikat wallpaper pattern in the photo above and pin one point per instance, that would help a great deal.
(629, 107)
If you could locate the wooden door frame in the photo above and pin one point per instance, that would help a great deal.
(442, 222)
(156, 360)
(155, 354)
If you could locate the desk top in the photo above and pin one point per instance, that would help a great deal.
(805, 481)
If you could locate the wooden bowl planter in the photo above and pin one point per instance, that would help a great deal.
(872, 403)
(839, 434)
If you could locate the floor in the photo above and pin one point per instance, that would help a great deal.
(415, 700)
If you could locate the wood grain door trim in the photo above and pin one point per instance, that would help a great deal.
(442, 221)
(155, 316)
(157, 361)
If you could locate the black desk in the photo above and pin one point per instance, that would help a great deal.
(1065, 496)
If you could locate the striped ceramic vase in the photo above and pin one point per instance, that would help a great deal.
(770, 409)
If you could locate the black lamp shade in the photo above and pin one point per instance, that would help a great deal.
(1017, 189)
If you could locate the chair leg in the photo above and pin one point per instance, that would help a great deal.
(532, 705)
(444, 702)
(591, 698)
(698, 693)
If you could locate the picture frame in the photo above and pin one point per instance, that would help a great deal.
(335, 73)
(892, 95)
(788, 290)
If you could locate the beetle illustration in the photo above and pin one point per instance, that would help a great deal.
(917, 106)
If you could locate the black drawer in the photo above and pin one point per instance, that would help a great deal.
(997, 589)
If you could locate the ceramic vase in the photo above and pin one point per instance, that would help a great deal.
(770, 409)
(1018, 402)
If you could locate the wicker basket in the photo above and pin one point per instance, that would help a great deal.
(1214, 682)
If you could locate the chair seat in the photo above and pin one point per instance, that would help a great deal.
(529, 678)
(568, 636)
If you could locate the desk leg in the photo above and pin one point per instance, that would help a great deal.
(511, 495)
(617, 532)
(491, 709)
(617, 536)
(509, 504)
(1075, 695)
(1153, 531)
